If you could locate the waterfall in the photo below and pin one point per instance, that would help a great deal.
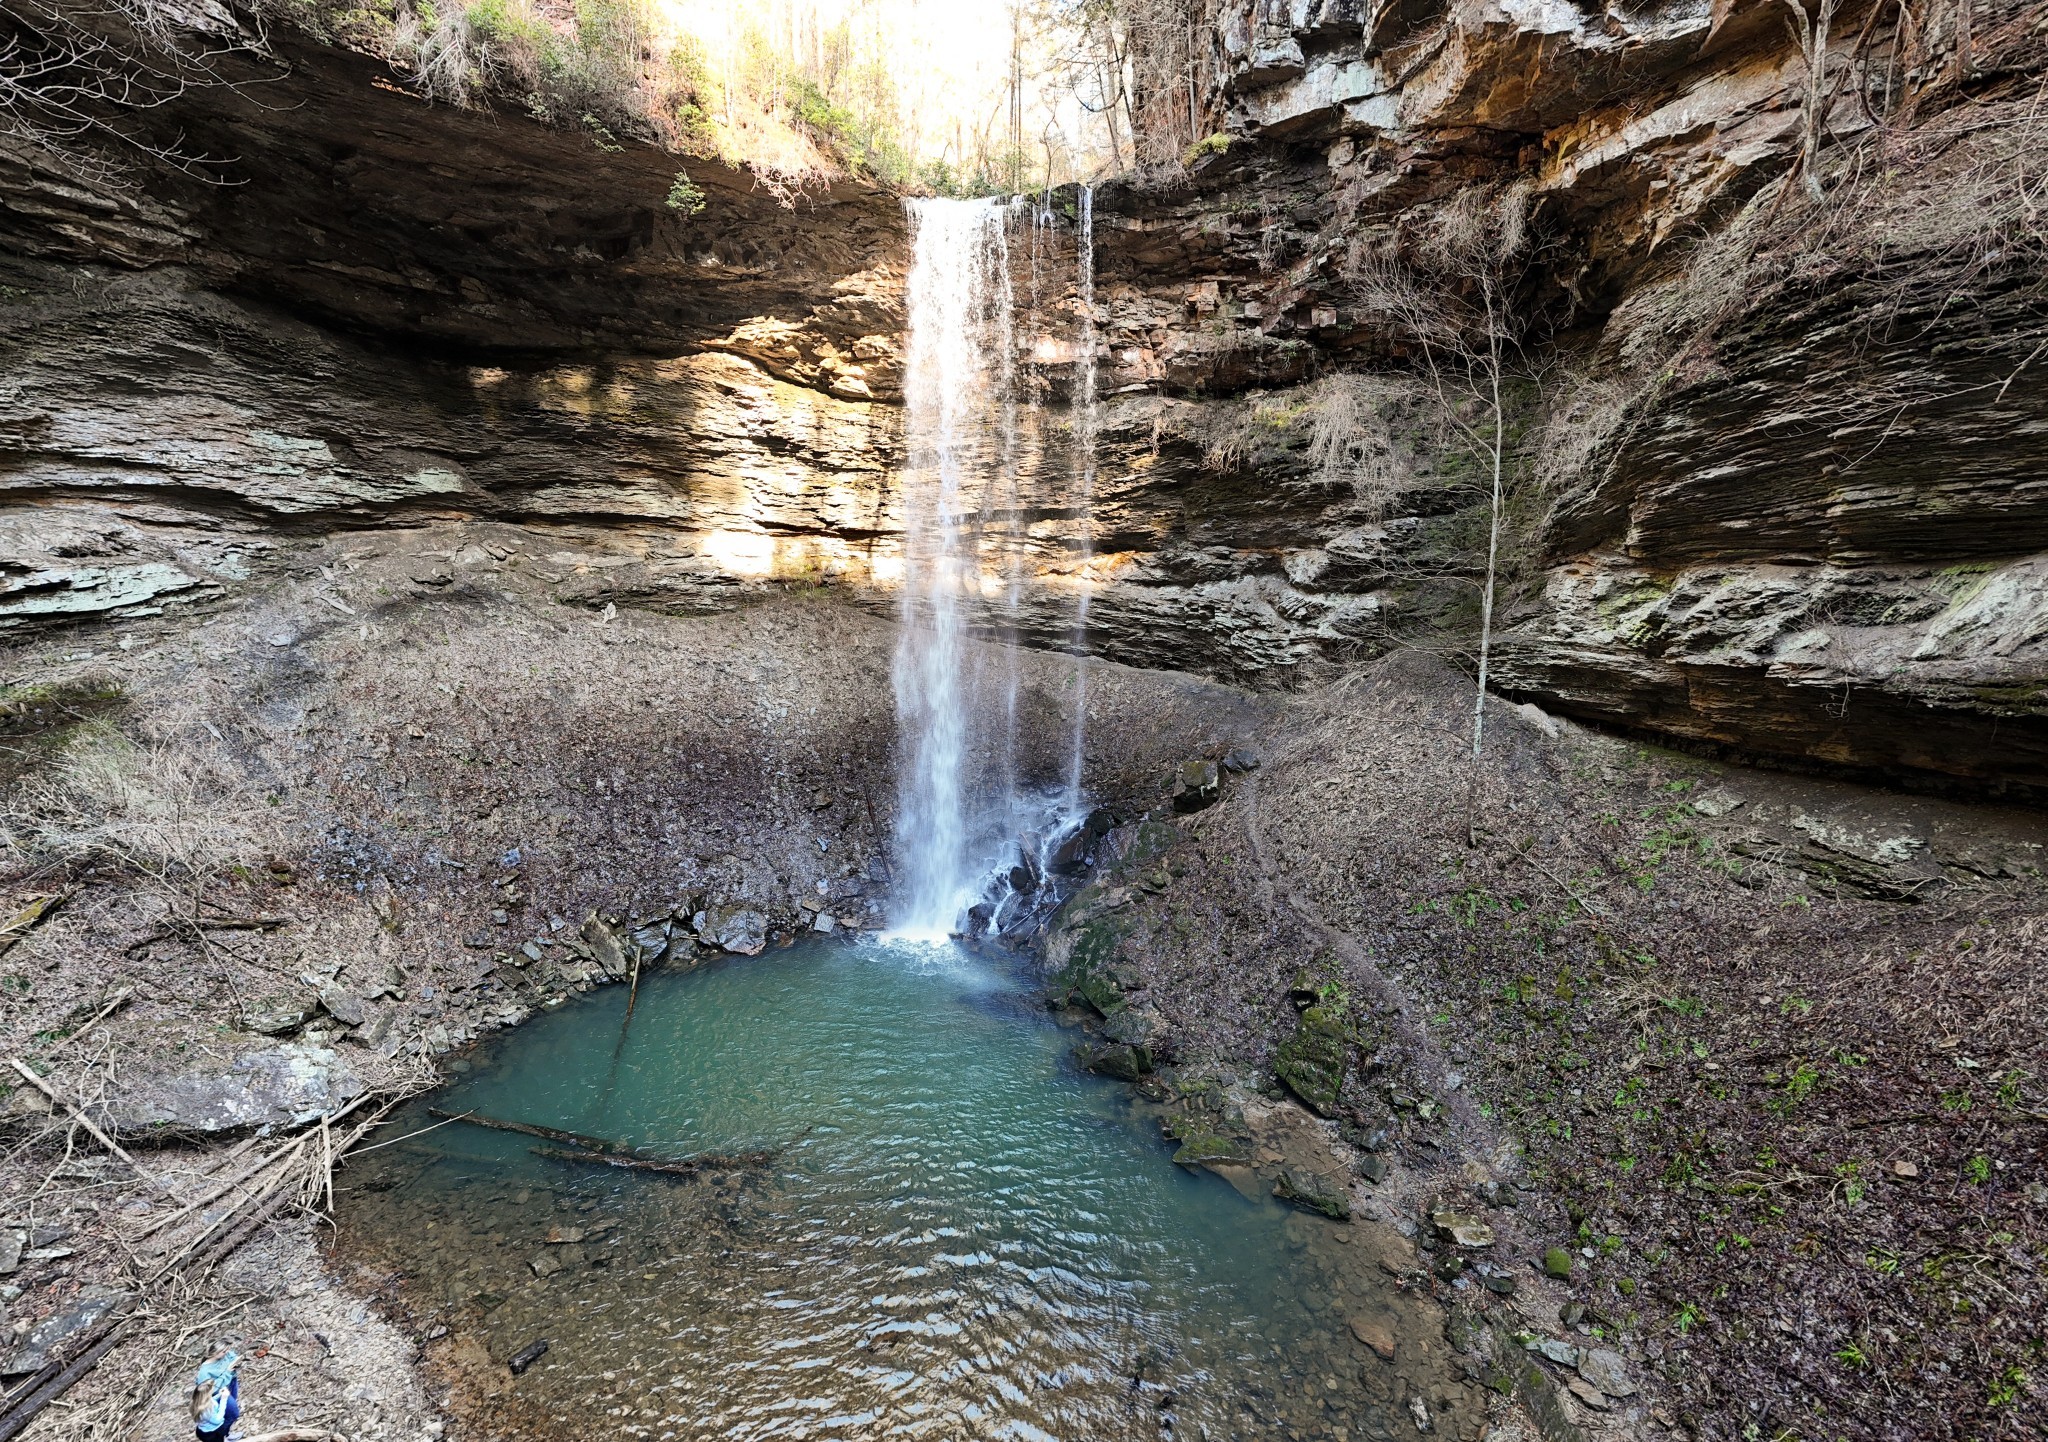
(1084, 488)
(959, 420)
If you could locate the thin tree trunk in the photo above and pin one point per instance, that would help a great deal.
(1493, 365)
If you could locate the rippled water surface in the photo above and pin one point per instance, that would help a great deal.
(961, 1236)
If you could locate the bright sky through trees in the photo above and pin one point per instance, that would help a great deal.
(967, 93)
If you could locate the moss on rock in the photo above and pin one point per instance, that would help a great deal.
(1311, 1062)
(1314, 1194)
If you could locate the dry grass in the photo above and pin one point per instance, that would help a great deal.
(1353, 440)
(168, 810)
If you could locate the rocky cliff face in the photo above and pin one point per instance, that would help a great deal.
(1778, 468)
(1783, 473)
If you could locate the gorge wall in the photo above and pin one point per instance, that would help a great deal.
(1780, 472)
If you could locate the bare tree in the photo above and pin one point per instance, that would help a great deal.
(1810, 34)
(76, 79)
(1146, 67)
(1449, 295)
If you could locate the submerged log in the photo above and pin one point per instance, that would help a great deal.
(680, 1167)
(546, 1134)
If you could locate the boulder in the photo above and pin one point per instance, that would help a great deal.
(607, 947)
(1461, 1228)
(1202, 1146)
(279, 1020)
(1114, 1058)
(341, 1004)
(1607, 1370)
(1314, 1192)
(1311, 1062)
(652, 941)
(1072, 856)
(743, 933)
(1196, 784)
(1377, 1333)
(270, 1086)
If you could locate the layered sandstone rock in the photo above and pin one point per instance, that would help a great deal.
(1799, 513)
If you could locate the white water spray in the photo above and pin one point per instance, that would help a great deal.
(956, 382)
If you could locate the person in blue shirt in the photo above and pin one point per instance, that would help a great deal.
(216, 1396)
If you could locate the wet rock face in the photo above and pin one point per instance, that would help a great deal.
(1818, 537)
(1830, 544)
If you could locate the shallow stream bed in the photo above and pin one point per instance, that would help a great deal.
(958, 1234)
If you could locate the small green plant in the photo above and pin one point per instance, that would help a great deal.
(1955, 1101)
(1797, 1088)
(2010, 1387)
(685, 196)
(1217, 144)
(1467, 905)
(1978, 1169)
(1687, 1318)
(1634, 1098)
(1851, 1355)
(2009, 1084)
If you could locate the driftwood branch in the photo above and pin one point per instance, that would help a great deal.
(601, 1151)
(26, 920)
(56, 1378)
(120, 1000)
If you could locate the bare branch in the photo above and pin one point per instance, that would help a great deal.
(75, 79)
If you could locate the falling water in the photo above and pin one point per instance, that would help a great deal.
(1084, 488)
(956, 384)
(1010, 512)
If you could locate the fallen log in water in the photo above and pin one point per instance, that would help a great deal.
(546, 1134)
(680, 1167)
